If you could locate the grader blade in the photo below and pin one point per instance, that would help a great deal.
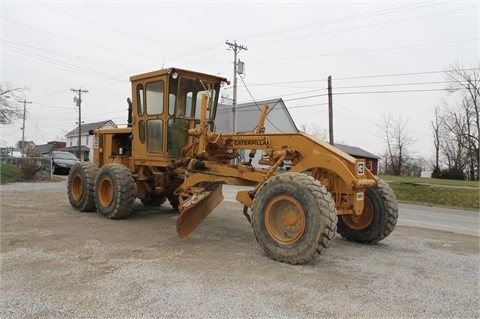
(195, 209)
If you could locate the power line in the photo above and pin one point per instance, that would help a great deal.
(346, 19)
(365, 26)
(312, 56)
(401, 74)
(390, 91)
(136, 36)
(365, 77)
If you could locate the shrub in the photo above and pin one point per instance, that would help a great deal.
(29, 168)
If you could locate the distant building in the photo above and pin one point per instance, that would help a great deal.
(371, 160)
(278, 121)
(49, 147)
(278, 118)
(86, 141)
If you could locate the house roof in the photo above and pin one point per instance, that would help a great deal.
(74, 149)
(355, 151)
(89, 126)
(44, 149)
(278, 118)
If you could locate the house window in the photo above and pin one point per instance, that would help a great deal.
(370, 165)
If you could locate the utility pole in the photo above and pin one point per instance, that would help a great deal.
(236, 48)
(79, 104)
(25, 102)
(330, 110)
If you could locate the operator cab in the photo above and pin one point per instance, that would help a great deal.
(163, 120)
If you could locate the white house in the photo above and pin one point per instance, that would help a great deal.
(86, 142)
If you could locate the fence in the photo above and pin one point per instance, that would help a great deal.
(23, 169)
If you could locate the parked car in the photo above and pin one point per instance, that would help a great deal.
(61, 161)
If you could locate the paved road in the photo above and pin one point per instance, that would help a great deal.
(454, 220)
(457, 221)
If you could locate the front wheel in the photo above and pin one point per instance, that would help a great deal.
(114, 191)
(293, 218)
(378, 219)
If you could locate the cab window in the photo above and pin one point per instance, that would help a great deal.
(154, 97)
(140, 104)
(154, 136)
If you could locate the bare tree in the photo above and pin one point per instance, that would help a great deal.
(398, 141)
(10, 109)
(459, 127)
(436, 127)
(315, 130)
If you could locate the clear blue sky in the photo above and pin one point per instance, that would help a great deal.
(292, 47)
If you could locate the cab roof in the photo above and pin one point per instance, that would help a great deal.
(179, 71)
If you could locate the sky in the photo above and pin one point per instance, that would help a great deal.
(386, 58)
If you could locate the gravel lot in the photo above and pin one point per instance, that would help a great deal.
(59, 263)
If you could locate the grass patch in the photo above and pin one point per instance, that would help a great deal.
(431, 181)
(436, 192)
(9, 173)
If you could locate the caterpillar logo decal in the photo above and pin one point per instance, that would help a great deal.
(250, 142)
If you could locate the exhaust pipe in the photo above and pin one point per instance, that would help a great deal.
(130, 110)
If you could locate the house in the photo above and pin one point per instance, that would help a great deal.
(278, 118)
(278, 121)
(86, 142)
(49, 147)
(371, 160)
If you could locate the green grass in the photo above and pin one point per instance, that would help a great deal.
(431, 181)
(435, 192)
(9, 173)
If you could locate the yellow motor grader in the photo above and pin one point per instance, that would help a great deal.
(170, 150)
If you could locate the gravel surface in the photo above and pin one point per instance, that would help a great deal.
(59, 263)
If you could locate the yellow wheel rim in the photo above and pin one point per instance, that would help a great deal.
(76, 185)
(362, 221)
(285, 220)
(105, 192)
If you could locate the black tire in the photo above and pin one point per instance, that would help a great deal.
(153, 201)
(80, 186)
(391, 206)
(114, 191)
(378, 219)
(294, 218)
(174, 202)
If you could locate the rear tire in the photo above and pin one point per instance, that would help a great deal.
(114, 191)
(294, 218)
(80, 186)
(378, 219)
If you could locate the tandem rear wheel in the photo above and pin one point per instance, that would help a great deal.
(114, 191)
